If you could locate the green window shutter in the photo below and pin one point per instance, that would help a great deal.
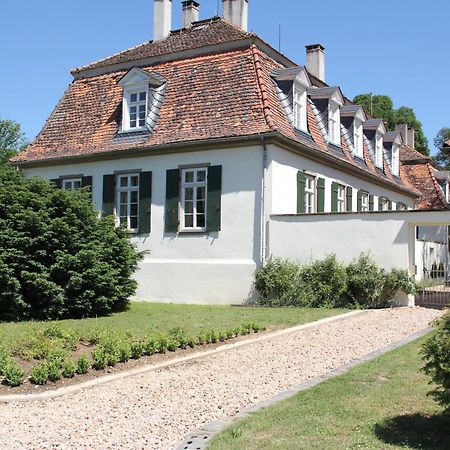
(349, 199)
(214, 199)
(57, 181)
(381, 200)
(301, 192)
(359, 200)
(334, 196)
(109, 194)
(389, 205)
(172, 199)
(86, 182)
(145, 202)
(370, 202)
(320, 195)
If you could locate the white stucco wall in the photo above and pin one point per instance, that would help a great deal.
(309, 237)
(283, 168)
(194, 268)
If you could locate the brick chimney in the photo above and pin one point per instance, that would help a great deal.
(315, 60)
(236, 12)
(191, 12)
(162, 19)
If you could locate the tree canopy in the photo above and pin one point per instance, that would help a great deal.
(443, 154)
(382, 107)
(12, 139)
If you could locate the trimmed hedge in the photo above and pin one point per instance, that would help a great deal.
(328, 283)
(57, 258)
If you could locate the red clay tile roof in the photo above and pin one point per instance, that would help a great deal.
(221, 95)
(420, 171)
(204, 33)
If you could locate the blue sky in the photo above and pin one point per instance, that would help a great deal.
(393, 47)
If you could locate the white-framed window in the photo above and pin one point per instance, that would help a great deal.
(310, 194)
(299, 107)
(379, 150)
(365, 202)
(71, 184)
(395, 160)
(340, 198)
(127, 207)
(334, 124)
(137, 107)
(358, 138)
(194, 191)
(383, 204)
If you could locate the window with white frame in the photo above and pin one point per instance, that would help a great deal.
(299, 107)
(137, 109)
(340, 198)
(71, 184)
(379, 150)
(395, 160)
(194, 184)
(383, 204)
(358, 138)
(334, 123)
(310, 194)
(127, 208)
(364, 201)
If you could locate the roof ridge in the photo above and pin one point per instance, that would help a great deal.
(262, 88)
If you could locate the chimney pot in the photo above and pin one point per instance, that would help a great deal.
(236, 12)
(315, 60)
(162, 19)
(191, 12)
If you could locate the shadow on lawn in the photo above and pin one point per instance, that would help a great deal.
(416, 431)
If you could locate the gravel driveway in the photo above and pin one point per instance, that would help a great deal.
(156, 410)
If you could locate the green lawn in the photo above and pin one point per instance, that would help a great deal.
(142, 319)
(378, 405)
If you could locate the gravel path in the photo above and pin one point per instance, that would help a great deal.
(156, 410)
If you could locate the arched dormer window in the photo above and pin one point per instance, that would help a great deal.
(328, 101)
(143, 93)
(292, 84)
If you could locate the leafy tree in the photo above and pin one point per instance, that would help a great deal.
(443, 155)
(57, 258)
(12, 139)
(382, 107)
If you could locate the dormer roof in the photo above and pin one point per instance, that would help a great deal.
(375, 124)
(333, 93)
(298, 73)
(139, 76)
(353, 111)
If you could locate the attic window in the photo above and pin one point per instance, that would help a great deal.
(299, 107)
(334, 124)
(137, 106)
(395, 160)
(379, 149)
(358, 137)
(143, 94)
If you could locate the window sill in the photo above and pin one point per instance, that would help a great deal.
(132, 130)
(193, 231)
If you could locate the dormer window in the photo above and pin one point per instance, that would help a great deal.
(379, 149)
(327, 101)
(137, 105)
(334, 124)
(292, 84)
(143, 94)
(395, 161)
(358, 138)
(299, 107)
(374, 130)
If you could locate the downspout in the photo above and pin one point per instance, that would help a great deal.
(263, 255)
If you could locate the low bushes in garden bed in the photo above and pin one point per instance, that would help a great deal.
(329, 283)
(56, 353)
